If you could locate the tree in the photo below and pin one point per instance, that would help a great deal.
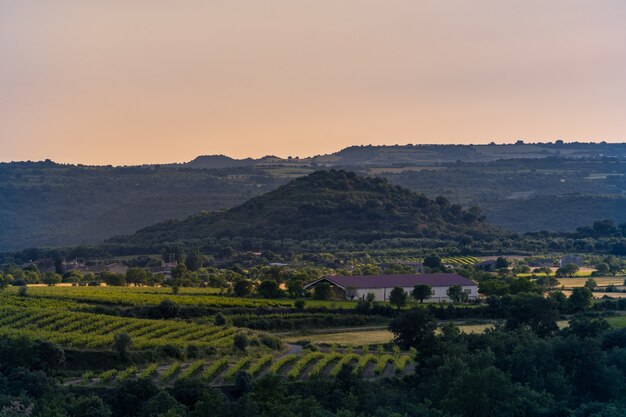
(432, 262)
(398, 297)
(220, 319)
(580, 299)
(4, 282)
(421, 292)
(602, 268)
(240, 341)
(456, 294)
(179, 271)
(137, 276)
(113, 279)
(415, 329)
(269, 289)
(495, 286)
(543, 270)
(194, 260)
(295, 287)
(321, 291)
(51, 278)
(591, 284)
(502, 263)
(121, 344)
(547, 282)
(532, 310)
(162, 404)
(242, 288)
(567, 270)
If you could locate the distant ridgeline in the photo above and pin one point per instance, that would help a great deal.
(519, 187)
(326, 206)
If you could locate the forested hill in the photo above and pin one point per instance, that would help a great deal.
(332, 204)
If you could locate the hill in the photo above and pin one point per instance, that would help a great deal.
(334, 205)
(554, 187)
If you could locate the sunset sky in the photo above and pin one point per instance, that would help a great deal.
(126, 82)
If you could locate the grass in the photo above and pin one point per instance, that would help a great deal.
(601, 281)
(617, 321)
(370, 337)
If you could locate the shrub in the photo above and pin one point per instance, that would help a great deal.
(171, 351)
(271, 342)
(240, 341)
(121, 344)
(220, 320)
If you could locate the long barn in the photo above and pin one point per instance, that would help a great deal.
(358, 286)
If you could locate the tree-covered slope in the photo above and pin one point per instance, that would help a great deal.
(326, 205)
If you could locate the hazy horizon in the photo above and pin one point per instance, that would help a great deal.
(156, 82)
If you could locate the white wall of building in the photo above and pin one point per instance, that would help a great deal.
(439, 293)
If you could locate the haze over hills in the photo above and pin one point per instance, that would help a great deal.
(334, 205)
(370, 155)
(537, 187)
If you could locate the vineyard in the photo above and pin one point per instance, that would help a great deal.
(93, 331)
(305, 365)
(460, 260)
(147, 296)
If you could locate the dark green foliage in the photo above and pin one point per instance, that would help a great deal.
(269, 289)
(398, 297)
(432, 262)
(580, 299)
(194, 260)
(242, 288)
(457, 294)
(538, 313)
(220, 319)
(321, 291)
(122, 343)
(271, 342)
(241, 341)
(415, 329)
(335, 205)
(299, 304)
(167, 309)
(421, 292)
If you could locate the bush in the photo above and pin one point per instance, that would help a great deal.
(240, 341)
(121, 344)
(220, 320)
(271, 342)
(171, 351)
(299, 304)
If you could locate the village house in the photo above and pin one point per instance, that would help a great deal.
(358, 287)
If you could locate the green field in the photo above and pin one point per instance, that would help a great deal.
(88, 318)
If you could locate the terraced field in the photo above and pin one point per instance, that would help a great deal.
(307, 364)
(88, 330)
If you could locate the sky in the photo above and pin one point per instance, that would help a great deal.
(154, 81)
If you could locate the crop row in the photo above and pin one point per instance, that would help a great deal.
(133, 296)
(90, 330)
(460, 260)
(292, 366)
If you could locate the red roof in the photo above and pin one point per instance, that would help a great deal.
(389, 281)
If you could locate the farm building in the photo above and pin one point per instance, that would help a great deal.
(570, 259)
(357, 287)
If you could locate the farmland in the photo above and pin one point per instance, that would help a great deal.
(89, 318)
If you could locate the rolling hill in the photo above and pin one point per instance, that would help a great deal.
(335, 205)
